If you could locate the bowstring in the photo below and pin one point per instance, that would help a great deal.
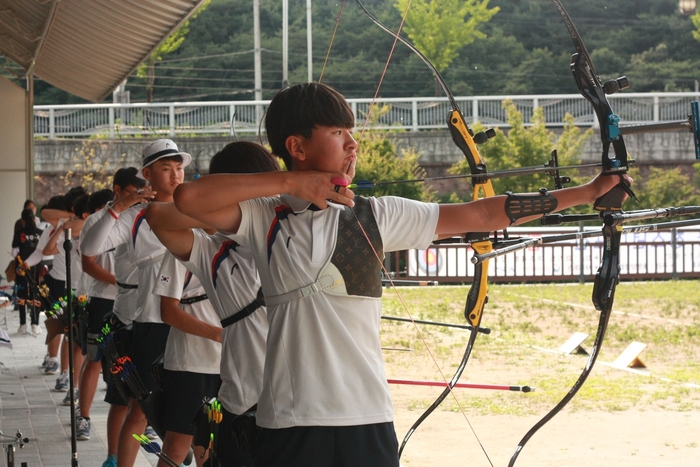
(381, 262)
(330, 44)
(381, 78)
(422, 339)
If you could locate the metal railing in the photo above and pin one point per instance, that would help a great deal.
(643, 256)
(410, 114)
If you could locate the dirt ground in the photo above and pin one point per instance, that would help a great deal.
(618, 419)
(629, 438)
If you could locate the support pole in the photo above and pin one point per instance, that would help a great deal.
(68, 247)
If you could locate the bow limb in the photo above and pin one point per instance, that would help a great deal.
(463, 137)
(615, 163)
(592, 88)
(606, 280)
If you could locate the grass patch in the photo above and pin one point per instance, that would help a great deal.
(663, 315)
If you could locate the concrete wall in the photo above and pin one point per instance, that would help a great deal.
(54, 158)
(13, 166)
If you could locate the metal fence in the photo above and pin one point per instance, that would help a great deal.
(643, 256)
(410, 114)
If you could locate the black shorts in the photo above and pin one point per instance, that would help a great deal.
(57, 288)
(96, 309)
(112, 395)
(329, 446)
(184, 393)
(235, 439)
(147, 345)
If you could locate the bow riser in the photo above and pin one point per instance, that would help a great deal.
(479, 241)
(591, 88)
(478, 293)
(463, 139)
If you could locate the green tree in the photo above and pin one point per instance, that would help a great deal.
(439, 29)
(655, 70)
(662, 187)
(377, 161)
(525, 146)
(696, 22)
(147, 69)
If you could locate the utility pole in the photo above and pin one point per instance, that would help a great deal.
(256, 47)
(258, 61)
(285, 43)
(309, 51)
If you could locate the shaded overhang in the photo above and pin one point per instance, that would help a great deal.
(87, 47)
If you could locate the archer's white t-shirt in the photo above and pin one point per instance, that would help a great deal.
(324, 363)
(144, 250)
(94, 287)
(228, 273)
(187, 352)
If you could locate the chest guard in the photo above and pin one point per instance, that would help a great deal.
(353, 268)
(354, 257)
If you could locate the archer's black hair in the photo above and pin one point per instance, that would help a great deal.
(55, 202)
(71, 196)
(80, 205)
(243, 157)
(98, 199)
(298, 109)
(126, 176)
(28, 218)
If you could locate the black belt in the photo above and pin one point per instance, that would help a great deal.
(127, 286)
(195, 299)
(247, 311)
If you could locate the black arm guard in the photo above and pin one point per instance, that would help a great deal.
(519, 206)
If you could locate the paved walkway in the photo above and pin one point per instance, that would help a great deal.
(28, 404)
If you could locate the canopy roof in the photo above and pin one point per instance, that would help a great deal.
(87, 47)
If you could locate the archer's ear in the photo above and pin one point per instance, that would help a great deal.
(295, 147)
(146, 171)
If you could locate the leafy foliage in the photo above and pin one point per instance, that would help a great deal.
(439, 29)
(170, 44)
(654, 69)
(89, 162)
(663, 187)
(527, 146)
(378, 161)
(526, 49)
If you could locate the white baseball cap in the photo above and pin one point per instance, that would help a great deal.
(159, 149)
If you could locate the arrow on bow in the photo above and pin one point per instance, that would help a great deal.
(549, 168)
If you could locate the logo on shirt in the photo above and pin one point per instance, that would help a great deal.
(219, 258)
(282, 212)
(137, 225)
(188, 278)
(165, 279)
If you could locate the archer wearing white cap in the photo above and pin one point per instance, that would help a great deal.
(162, 149)
(124, 225)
